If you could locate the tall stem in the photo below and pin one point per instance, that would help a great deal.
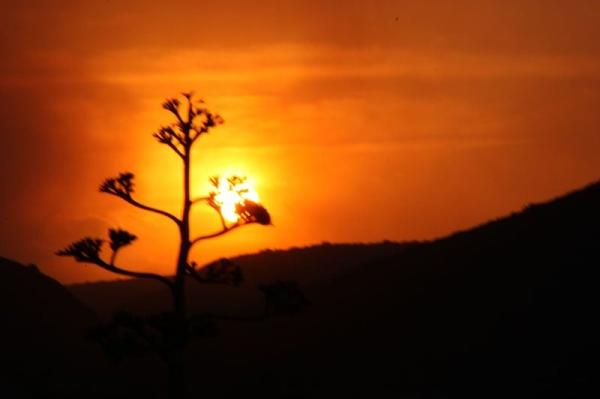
(184, 248)
(177, 387)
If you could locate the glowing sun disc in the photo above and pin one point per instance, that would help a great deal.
(229, 196)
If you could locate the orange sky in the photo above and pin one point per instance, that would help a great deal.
(359, 121)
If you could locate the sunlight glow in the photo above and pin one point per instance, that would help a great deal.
(231, 192)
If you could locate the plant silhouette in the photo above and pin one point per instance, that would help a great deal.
(167, 334)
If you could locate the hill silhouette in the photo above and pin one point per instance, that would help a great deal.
(45, 348)
(309, 266)
(507, 309)
(42, 335)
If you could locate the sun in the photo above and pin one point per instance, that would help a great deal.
(231, 193)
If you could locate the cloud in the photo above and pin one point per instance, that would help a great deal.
(490, 27)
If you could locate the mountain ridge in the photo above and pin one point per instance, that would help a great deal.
(504, 309)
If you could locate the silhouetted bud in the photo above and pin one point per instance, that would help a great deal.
(172, 105)
(214, 181)
(236, 181)
(165, 134)
(120, 238)
(209, 120)
(85, 250)
(251, 212)
(121, 186)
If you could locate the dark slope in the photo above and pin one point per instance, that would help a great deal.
(44, 350)
(42, 335)
(506, 309)
(309, 266)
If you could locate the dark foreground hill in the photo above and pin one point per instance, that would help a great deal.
(42, 335)
(507, 309)
(44, 349)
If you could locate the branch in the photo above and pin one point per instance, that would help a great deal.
(249, 212)
(174, 148)
(88, 249)
(210, 120)
(151, 209)
(124, 272)
(210, 200)
(172, 105)
(191, 113)
(167, 135)
(200, 199)
(218, 234)
(222, 218)
(122, 186)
